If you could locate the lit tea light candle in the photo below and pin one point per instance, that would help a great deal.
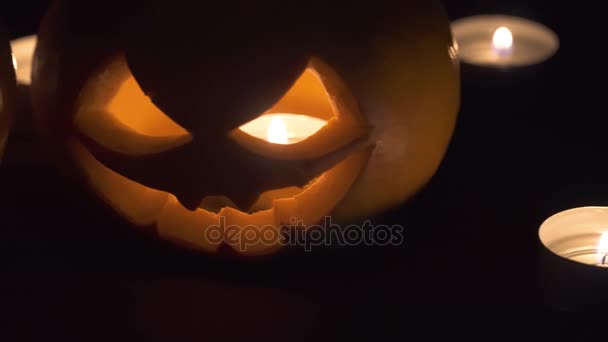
(602, 257)
(573, 260)
(503, 41)
(579, 234)
(283, 128)
(23, 54)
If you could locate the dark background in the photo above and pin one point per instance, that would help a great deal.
(529, 143)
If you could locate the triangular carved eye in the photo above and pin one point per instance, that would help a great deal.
(115, 113)
(316, 116)
(283, 128)
(299, 114)
(132, 108)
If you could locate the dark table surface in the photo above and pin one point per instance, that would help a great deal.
(529, 143)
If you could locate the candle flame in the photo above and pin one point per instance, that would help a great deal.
(502, 39)
(15, 65)
(602, 246)
(277, 131)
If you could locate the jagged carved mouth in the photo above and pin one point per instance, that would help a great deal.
(181, 181)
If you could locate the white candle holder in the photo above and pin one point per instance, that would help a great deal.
(579, 234)
(502, 41)
(574, 260)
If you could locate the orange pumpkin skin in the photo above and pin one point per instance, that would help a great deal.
(395, 63)
(8, 90)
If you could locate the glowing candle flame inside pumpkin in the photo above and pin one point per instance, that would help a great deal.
(283, 128)
(277, 132)
(502, 41)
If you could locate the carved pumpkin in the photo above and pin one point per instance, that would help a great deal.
(8, 90)
(151, 104)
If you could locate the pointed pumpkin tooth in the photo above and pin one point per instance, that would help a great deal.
(189, 199)
(266, 199)
(251, 234)
(198, 229)
(243, 197)
(216, 203)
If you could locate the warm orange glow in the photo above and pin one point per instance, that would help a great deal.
(307, 96)
(316, 122)
(145, 206)
(277, 132)
(119, 116)
(135, 110)
(502, 41)
(303, 111)
(283, 128)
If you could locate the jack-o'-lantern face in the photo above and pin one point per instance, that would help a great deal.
(155, 171)
(206, 142)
